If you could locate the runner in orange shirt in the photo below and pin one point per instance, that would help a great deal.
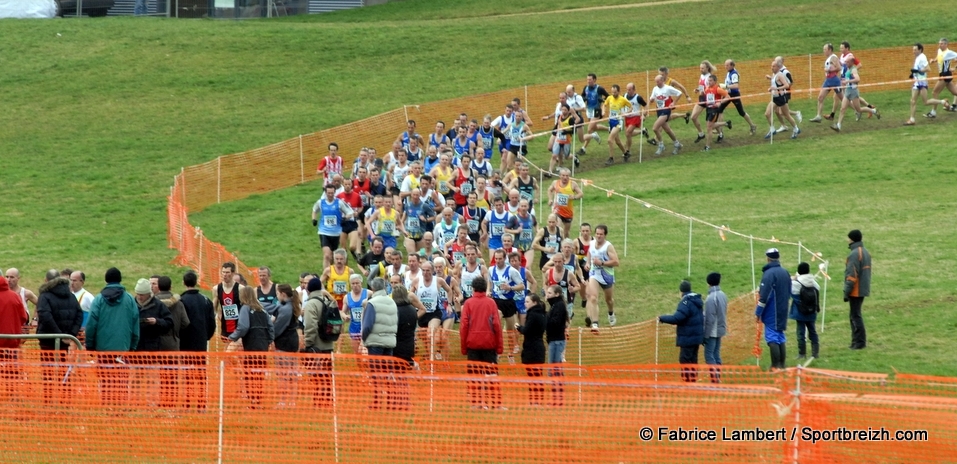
(714, 96)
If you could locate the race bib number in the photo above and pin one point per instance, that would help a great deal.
(613, 113)
(526, 195)
(562, 137)
(329, 221)
(458, 256)
(487, 143)
(448, 236)
(356, 315)
(339, 287)
(466, 189)
(710, 98)
(429, 304)
(231, 312)
(525, 236)
(659, 104)
(552, 245)
(561, 199)
(467, 288)
(473, 225)
(443, 186)
(498, 229)
(497, 285)
(388, 227)
(412, 223)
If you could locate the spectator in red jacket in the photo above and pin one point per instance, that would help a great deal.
(12, 319)
(481, 335)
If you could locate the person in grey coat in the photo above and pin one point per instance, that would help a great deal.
(715, 324)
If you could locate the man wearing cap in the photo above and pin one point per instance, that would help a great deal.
(857, 285)
(155, 318)
(772, 309)
(689, 321)
(715, 324)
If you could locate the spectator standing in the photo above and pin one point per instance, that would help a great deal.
(319, 367)
(58, 312)
(480, 335)
(85, 298)
(256, 330)
(113, 326)
(380, 322)
(533, 348)
(12, 318)
(772, 308)
(195, 338)
(556, 325)
(715, 324)
(804, 320)
(689, 319)
(857, 286)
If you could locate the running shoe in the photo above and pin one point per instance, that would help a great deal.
(800, 117)
(687, 117)
(660, 150)
(909, 122)
(857, 116)
(829, 117)
(610, 161)
(781, 129)
(729, 124)
(769, 134)
(594, 327)
(720, 138)
(700, 138)
(580, 152)
(753, 128)
(612, 320)
(577, 161)
(794, 134)
(836, 128)
(707, 148)
(815, 119)
(626, 155)
(596, 137)
(930, 115)
(877, 114)
(677, 147)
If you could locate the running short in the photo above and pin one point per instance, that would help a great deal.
(507, 307)
(665, 112)
(713, 114)
(852, 93)
(780, 100)
(521, 150)
(349, 226)
(394, 191)
(947, 76)
(387, 241)
(701, 102)
(501, 147)
(633, 121)
(604, 279)
(920, 85)
(593, 113)
(832, 82)
(427, 317)
(612, 123)
(562, 150)
(566, 220)
(328, 241)
(520, 307)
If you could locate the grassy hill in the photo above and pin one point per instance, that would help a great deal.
(100, 114)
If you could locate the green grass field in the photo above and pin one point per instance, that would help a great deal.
(99, 118)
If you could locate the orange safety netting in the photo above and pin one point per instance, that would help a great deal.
(284, 407)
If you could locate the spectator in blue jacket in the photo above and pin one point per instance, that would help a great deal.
(774, 301)
(689, 319)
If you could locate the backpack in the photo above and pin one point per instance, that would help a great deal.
(330, 320)
(807, 300)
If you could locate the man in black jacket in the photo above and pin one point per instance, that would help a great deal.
(58, 312)
(195, 337)
(555, 326)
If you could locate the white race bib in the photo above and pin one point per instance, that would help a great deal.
(231, 312)
(498, 229)
(339, 287)
(561, 199)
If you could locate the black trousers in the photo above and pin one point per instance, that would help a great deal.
(858, 334)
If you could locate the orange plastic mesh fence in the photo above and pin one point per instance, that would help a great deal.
(293, 161)
(282, 407)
